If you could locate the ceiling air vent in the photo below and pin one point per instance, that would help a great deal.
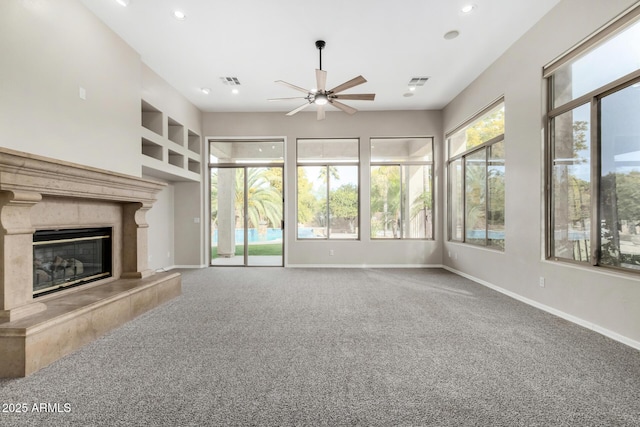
(230, 81)
(418, 81)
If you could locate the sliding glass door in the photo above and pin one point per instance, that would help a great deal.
(247, 203)
(246, 216)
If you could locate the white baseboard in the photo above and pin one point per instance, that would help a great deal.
(571, 318)
(173, 267)
(364, 266)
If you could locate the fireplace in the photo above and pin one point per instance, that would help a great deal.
(64, 225)
(70, 257)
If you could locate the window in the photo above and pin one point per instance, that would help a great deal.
(328, 196)
(401, 188)
(594, 149)
(476, 180)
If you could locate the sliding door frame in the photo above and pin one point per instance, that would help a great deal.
(245, 220)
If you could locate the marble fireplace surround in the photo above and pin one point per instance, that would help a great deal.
(39, 193)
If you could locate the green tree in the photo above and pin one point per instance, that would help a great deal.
(214, 198)
(343, 204)
(627, 187)
(620, 215)
(485, 129)
(264, 201)
(306, 200)
(333, 173)
(475, 194)
(385, 199)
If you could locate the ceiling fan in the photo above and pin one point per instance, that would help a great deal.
(321, 97)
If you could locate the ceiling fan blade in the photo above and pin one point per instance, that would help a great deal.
(320, 112)
(343, 107)
(298, 88)
(347, 85)
(357, 96)
(300, 108)
(286, 99)
(321, 80)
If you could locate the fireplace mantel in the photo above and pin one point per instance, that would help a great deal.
(24, 172)
(41, 193)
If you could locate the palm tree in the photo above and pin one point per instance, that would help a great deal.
(333, 172)
(264, 202)
(385, 196)
(264, 199)
(476, 200)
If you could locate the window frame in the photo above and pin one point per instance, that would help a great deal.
(327, 164)
(593, 99)
(484, 146)
(402, 165)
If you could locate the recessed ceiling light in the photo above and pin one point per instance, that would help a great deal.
(179, 15)
(123, 3)
(235, 91)
(412, 88)
(205, 90)
(468, 8)
(452, 35)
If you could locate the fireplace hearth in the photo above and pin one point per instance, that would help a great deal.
(63, 225)
(70, 257)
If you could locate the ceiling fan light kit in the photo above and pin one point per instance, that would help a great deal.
(320, 96)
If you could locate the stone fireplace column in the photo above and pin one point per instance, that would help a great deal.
(16, 255)
(135, 263)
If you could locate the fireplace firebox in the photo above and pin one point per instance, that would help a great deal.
(70, 257)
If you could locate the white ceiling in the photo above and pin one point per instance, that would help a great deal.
(258, 41)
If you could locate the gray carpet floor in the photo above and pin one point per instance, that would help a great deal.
(337, 347)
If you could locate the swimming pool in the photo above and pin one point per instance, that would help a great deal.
(272, 235)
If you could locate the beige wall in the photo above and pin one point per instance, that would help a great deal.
(177, 238)
(363, 125)
(52, 48)
(157, 92)
(49, 49)
(161, 219)
(188, 227)
(606, 302)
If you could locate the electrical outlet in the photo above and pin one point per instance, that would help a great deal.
(168, 254)
(331, 252)
(541, 282)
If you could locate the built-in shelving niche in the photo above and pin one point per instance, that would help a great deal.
(193, 142)
(175, 132)
(176, 159)
(169, 150)
(151, 118)
(151, 149)
(194, 166)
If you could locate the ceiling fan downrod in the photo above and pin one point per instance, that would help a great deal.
(320, 45)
